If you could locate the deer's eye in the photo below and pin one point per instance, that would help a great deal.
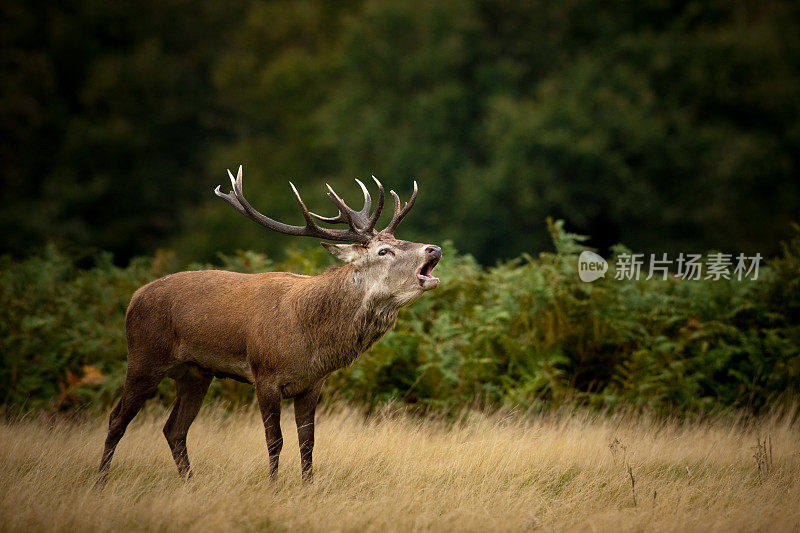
(383, 251)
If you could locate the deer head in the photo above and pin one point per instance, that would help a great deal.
(392, 269)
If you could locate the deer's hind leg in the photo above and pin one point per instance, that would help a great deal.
(139, 386)
(192, 386)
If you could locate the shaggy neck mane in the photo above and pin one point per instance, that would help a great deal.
(340, 317)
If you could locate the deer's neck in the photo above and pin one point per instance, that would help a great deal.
(341, 319)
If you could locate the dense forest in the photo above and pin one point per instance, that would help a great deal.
(663, 125)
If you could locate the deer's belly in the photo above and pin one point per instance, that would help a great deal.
(216, 362)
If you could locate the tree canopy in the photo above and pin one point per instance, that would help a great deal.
(664, 125)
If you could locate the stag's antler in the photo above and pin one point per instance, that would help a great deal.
(361, 223)
(398, 214)
(361, 219)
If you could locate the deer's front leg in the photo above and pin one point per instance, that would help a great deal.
(305, 406)
(269, 402)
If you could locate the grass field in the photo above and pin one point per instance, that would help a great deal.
(395, 472)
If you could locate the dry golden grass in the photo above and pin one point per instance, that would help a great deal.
(395, 472)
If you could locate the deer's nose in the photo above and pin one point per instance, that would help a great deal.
(434, 251)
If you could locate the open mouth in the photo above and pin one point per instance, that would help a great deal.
(424, 273)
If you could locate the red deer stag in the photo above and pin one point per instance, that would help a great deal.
(284, 333)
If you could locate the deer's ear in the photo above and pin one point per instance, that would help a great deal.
(343, 252)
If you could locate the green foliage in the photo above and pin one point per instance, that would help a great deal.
(524, 333)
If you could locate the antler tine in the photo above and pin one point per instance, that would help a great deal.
(351, 234)
(377, 213)
(306, 214)
(343, 209)
(254, 215)
(230, 197)
(240, 203)
(364, 213)
(399, 214)
(360, 218)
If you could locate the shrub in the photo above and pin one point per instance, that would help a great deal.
(523, 333)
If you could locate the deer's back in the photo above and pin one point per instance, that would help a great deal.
(207, 317)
